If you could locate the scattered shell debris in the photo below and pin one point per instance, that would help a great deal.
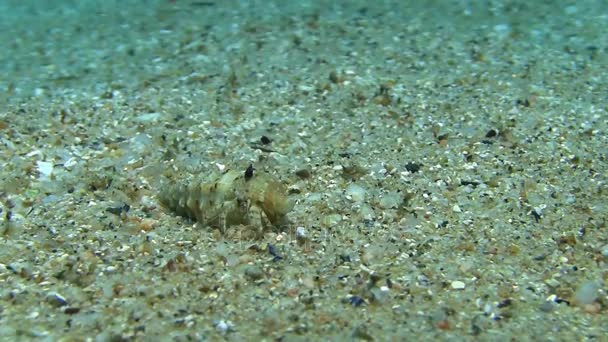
(304, 170)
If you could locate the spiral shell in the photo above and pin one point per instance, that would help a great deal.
(231, 198)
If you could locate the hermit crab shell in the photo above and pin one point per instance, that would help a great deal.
(228, 199)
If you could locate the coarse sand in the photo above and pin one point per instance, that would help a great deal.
(445, 160)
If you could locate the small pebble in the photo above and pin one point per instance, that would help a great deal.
(390, 200)
(56, 299)
(586, 293)
(458, 285)
(547, 306)
(356, 301)
(605, 251)
(223, 326)
(355, 192)
(273, 251)
(147, 117)
(303, 173)
(301, 232)
(412, 167)
(45, 169)
(367, 213)
(254, 272)
(331, 220)
(265, 140)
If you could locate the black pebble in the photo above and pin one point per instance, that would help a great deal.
(492, 133)
(356, 301)
(265, 140)
(249, 172)
(412, 167)
(272, 251)
(117, 210)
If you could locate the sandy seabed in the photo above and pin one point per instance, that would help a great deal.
(446, 164)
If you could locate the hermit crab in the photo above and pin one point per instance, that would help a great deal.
(232, 197)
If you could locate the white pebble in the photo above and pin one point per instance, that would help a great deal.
(301, 232)
(458, 285)
(45, 168)
(366, 212)
(390, 200)
(145, 117)
(223, 326)
(355, 193)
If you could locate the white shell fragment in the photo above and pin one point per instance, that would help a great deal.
(458, 285)
(45, 168)
(355, 193)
